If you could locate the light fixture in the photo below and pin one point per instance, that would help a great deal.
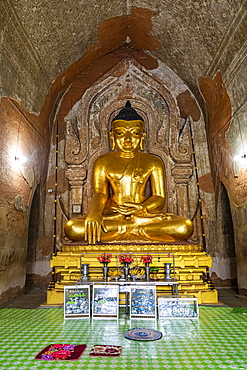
(17, 158)
(20, 158)
(240, 163)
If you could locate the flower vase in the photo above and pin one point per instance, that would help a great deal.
(84, 271)
(147, 271)
(168, 271)
(126, 270)
(105, 271)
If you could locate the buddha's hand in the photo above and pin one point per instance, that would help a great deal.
(93, 225)
(129, 209)
(167, 216)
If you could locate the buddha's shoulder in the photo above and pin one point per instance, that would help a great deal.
(104, 158)
(147, 157)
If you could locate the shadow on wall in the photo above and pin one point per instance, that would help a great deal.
(225, 252)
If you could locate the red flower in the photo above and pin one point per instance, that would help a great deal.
(58, 345)
(61, 354)
(105, 257)
(125, 258)
(146, 259)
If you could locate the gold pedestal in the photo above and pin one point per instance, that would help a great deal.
(189, 262)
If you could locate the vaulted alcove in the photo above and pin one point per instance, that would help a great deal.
(33, 234)
(224, 256)
(84, 136)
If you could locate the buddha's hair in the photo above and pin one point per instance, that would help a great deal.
(128, 114)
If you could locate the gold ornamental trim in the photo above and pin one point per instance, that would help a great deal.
(131, 247)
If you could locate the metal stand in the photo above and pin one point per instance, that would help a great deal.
(84, 271)
(147, 272)
(168, 272)
(105, 272)
(126, 271)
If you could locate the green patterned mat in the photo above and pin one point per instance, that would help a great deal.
(217, 340)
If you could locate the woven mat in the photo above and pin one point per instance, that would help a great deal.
(105, 351)
(61, 352)
(143, 334)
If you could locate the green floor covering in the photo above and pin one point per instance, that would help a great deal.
(217, 340)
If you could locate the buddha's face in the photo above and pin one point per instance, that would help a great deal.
(127, 135)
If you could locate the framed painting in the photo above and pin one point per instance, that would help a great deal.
(143, 302)
(76, 301)
(178, 307)
(105, 301)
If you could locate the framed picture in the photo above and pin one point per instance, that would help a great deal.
(105, 301)
(76, 301)
(143, 302)
(177, 308)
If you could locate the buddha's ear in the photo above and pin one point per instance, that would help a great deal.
(143, 140)
(112, 141)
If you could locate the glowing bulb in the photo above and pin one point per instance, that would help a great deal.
(22, 159)
(237, 158)
(240, 163)
(241, 159)
(17, 159)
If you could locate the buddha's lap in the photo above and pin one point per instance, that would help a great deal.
(163, 223)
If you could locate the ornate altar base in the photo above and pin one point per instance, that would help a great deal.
(190, 262)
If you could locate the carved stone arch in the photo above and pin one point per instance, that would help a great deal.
(158, 106)
(138, 79)
(77, 127)
(160, 97)
(76, 138)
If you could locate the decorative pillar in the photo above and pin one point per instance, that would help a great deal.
(182, 174)
(76, 174)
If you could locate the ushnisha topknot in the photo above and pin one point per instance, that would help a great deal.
(128, 114)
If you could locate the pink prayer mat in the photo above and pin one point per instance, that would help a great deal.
(105, 351)
(61, 352)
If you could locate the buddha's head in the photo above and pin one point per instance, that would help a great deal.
(127, 130)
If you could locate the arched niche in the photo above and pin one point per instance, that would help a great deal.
(154, 95)
(88, 123)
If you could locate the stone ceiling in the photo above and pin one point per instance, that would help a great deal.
(40, 40)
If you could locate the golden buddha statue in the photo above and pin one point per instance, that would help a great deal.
(120, 208)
